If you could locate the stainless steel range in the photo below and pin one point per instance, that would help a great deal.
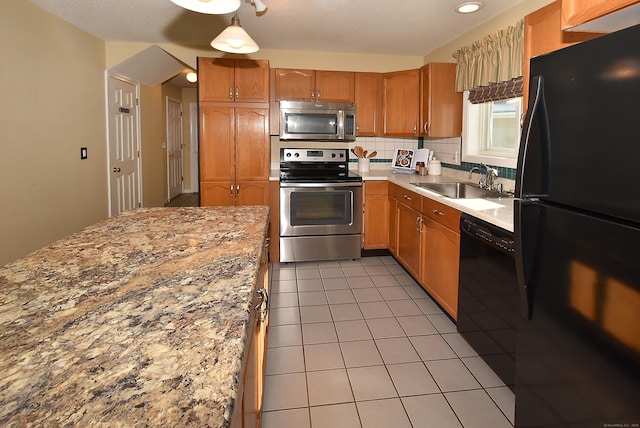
(320, 206)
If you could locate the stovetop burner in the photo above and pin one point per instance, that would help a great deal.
(316, 165)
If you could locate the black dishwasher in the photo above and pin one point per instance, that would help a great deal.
(488, 295)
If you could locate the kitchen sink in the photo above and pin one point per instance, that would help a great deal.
(459, 190)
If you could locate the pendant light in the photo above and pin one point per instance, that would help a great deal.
(215, 7)
(234, 39)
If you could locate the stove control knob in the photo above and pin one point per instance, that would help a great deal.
(341, 155)
(288, 154)
(333, 155)
(297, 155)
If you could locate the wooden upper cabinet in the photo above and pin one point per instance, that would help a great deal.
(335, 86)
(294, 84)
(368, 88)
(217, 136)
(400, 103)
(252, 148)
(576, 13)
(543, 33)
(440, 104)
(233, 80)
(314, 85)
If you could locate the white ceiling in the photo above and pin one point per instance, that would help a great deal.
(402, 27)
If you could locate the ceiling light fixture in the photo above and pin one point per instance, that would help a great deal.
(192, 77)
(469, 7)
(214, 7)
(234, 39)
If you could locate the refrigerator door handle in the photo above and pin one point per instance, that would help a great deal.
(526, 236)
(533, 156)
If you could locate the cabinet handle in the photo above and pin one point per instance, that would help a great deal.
(237, 190)
(415, 128)
(313, 94)
(231, 190)
(230, 92)
(425, 127)
(237, 93)
(318, 96)
(436, 212)
(267, 242)
(407, 197)
(419, 224)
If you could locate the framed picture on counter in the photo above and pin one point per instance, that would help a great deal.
(403, 160)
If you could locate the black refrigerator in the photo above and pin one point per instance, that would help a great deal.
(577, 233)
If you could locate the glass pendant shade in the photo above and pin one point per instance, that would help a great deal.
(234, 39)
(214, 7)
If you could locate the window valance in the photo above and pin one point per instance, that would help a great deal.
(496, 91)
(498, 57)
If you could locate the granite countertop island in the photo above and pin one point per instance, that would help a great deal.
(139, 320)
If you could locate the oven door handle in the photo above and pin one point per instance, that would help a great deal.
(285, 185)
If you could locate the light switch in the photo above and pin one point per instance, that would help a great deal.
(83, 152)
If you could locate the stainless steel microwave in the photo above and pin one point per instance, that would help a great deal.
(302, 120)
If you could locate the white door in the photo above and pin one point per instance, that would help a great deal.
(174, 147)
(124, 154)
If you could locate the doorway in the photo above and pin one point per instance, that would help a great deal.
(125, 187)
(174, 148)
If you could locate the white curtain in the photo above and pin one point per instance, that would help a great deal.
(498, 57)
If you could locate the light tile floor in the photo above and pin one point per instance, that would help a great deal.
(358, 343)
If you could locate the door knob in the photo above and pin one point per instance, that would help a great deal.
(116, 169)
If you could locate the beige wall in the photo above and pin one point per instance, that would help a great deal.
(509, 18)
(53, 89)
(120, 51)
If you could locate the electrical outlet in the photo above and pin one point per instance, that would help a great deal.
(83, 152)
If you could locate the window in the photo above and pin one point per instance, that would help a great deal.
(491, 131)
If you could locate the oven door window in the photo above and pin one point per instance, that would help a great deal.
(311, 123)
(315, 208)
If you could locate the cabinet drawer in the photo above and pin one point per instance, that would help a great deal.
(441, 213)
(376, 187)
(410, 198)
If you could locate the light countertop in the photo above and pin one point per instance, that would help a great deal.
(138, 320)
(497, 211)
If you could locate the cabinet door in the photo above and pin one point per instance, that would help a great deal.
(400, 102)
(335, 86)
(441, 105)
(294, 85)
(408, 246)
(368, 88)
(217, 161)
(577, 12)
(253, 155)
(393, 225)
(218, 193)
(439, 264)
(216, 79)
(376, 222)
(251, 81)
(252, 193)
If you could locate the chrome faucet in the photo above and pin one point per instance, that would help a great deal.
(475, 168)
(487, 179)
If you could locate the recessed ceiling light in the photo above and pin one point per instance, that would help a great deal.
(469, 7)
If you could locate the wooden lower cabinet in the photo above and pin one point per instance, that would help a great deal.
(376, 215)
(248, 410)
(424, 236)
(408, 230)
(229, 193)
(439, 264)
